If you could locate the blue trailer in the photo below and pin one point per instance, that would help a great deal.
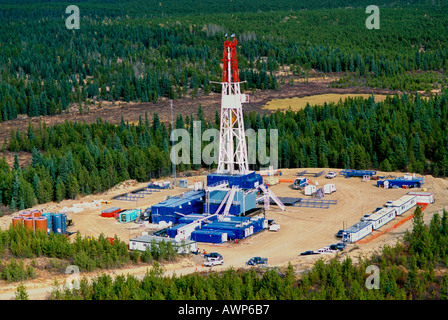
(209, 236)
(357, 173)
(414, 182)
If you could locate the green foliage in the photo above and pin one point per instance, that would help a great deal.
(116, 55)
(401, 133)
(402, 276)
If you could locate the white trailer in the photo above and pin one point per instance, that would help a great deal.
(423, 197)
(381, 217)
(404, 203)
(329, 188)
(310, 189)
(357, 231)
(143, 242)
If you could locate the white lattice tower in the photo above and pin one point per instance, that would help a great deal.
(232, 142)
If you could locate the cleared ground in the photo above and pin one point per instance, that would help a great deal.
(298, 103)
(301, 228)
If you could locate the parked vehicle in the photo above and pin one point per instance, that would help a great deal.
(214, 261)
(338, 246)
(306, 253)
(331, 174)
(340, 233)
(254, 261)
(212, 255)
(341, 245)
(389, 203)
(300, 183)
(365, 217)
(274, 227)
(324, 250)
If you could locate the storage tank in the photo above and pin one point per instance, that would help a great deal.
(40, 223)
(48, 215)
(16, 221)
(56, 220)
(63, 223)
(29, 223)
(36, 213)
(25, 214)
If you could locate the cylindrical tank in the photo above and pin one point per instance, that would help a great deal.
(63, 223)
(16, 221)
(56, 220)
(25, 214)
(48, 215)
(40, 223)
(36, 213)
(29, 223)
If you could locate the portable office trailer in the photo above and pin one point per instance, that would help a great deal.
(143, 242)
(183, 231)
(381, 217)
(404, 203)
(423, 197)
(209, 236)
(233, 232)
(129, 215)
(357, 231)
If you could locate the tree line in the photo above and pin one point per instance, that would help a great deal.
(120, 57)
(404, 132)
(87, 253)
(407, 272)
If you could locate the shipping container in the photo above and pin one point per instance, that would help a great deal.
(129, 215)
(209, 236)
(110, 212)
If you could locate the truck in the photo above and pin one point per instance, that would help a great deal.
(254, 261)
(214, 262)
(300, 183)
(273, 226)
(331, 175)
(213, 259)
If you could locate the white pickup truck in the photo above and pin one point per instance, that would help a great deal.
(214, 259)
